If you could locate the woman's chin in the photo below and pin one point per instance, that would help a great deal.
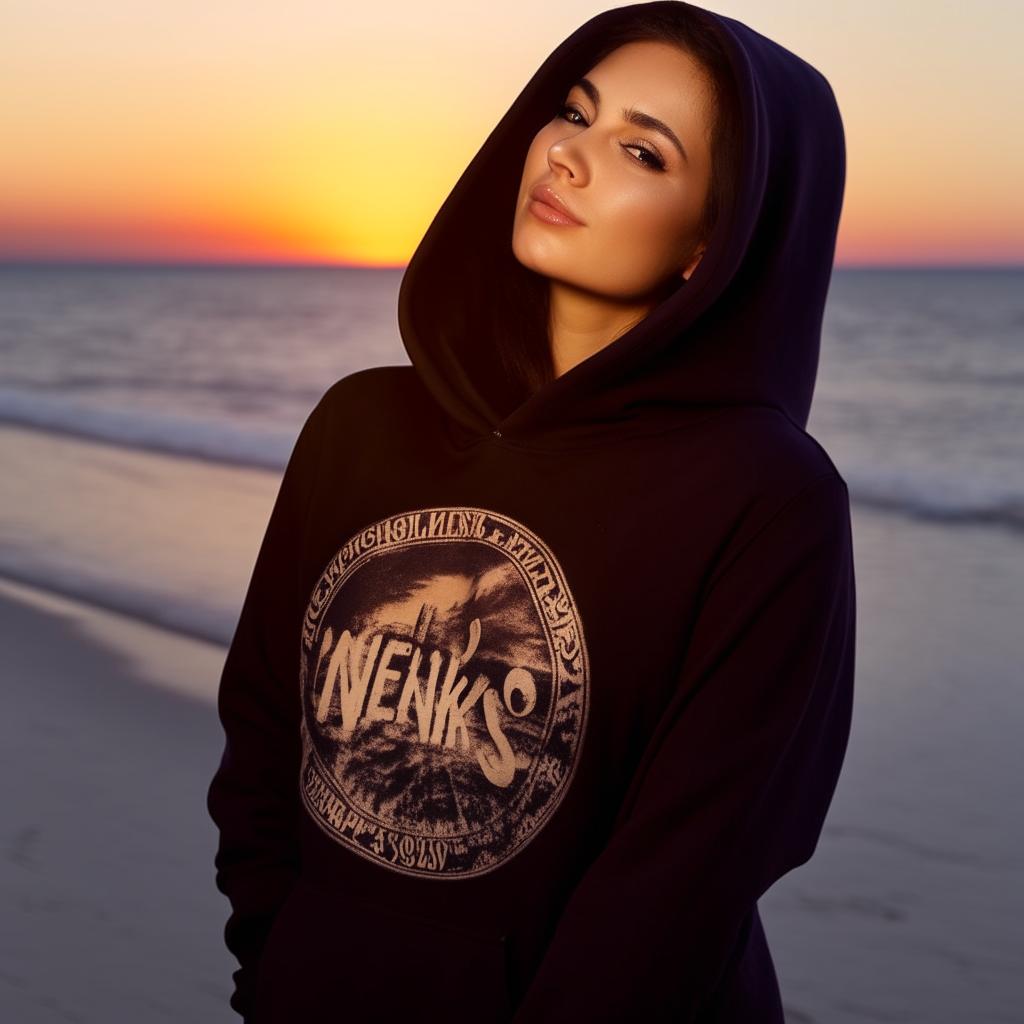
(528, 257)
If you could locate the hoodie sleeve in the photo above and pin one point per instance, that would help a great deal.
(733, 788)
(253, 798)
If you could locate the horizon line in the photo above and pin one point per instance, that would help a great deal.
(9, 264)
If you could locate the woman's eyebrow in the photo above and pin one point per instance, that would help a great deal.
(636, 117)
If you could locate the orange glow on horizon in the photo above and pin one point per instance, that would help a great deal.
(245, 135)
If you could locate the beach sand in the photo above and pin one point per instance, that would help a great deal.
(109, 906)
(911, 910)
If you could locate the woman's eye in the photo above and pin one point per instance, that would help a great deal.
(654, 161)
(569, 110)
(647, 156)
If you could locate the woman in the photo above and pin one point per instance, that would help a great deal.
(544, 673)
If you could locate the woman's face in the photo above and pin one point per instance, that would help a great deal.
(638, 198)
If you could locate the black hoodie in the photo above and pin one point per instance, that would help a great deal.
(530, 700)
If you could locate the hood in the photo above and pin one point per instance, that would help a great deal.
(745, 329)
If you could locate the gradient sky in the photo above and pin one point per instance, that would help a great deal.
(315, 131)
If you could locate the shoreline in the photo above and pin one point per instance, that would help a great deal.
(162, 538)
(920, 504)
(170, 539)
(160, 655)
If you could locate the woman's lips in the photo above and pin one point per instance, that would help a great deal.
(547, 206)
(550, 214)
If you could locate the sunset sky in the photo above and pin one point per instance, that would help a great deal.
(330, 132)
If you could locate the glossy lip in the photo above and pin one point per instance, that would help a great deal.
(549, 197)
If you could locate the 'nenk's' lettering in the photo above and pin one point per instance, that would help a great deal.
(364, 678)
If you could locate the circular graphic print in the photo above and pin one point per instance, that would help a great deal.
(445, 689)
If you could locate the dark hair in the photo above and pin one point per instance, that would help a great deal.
(524, 346)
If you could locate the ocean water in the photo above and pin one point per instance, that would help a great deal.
(919, 396)
(220, 363)
(918, 402)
